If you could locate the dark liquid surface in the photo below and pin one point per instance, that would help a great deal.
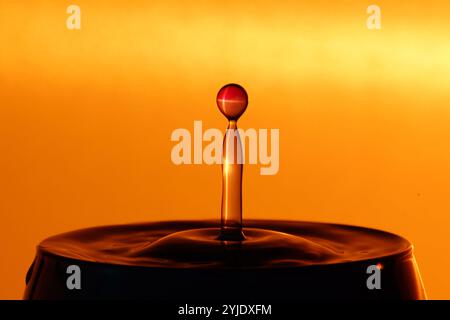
(195, 244)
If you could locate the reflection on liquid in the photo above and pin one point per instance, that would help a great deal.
(186, 244)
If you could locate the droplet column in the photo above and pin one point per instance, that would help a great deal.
(232, 101)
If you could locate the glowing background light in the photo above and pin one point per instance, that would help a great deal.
(86, 117)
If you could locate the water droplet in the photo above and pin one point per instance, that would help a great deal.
(232, 101)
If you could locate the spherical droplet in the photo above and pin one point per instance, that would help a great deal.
(232, 101)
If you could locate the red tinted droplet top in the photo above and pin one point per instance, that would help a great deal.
(232, 101)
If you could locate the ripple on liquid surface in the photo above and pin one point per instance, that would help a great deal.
(194, 244)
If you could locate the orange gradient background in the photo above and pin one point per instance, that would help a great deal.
(86, 117)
